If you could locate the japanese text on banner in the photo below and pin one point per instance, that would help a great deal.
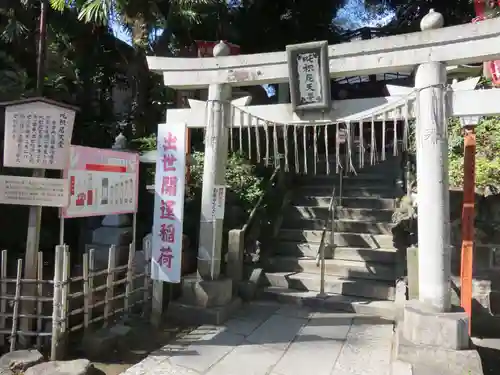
(169, 203)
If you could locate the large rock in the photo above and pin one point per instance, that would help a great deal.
(76, 367)
(19, 361)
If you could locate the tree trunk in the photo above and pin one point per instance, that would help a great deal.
(140, 40)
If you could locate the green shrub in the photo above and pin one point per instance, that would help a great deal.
(245, 185)
(487, 153)
(243, 180)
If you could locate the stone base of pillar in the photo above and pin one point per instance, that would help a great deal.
(434, 341)
(423, 359)
(204, 302)
(206, 293)
(423, 326)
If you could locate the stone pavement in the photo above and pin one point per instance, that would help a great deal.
(267, 338)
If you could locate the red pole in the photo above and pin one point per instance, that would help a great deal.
(468, 221)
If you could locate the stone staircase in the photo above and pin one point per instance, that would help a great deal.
(361, 266)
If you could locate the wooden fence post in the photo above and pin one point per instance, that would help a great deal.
(108, 298)
(15, 313)
(39, 304)
(3, 294)
(147, 249)
(65, 291)
(85, 274)
(129, 284)
(91, 283)
(57, 303)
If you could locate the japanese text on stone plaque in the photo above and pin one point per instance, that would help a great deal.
(169, 186)
(308, 68)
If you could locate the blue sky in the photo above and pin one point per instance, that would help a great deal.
(354, 15)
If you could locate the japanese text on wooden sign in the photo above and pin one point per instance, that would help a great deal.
(37, 135)
(169, 203)
(101, 182)
(33, 191)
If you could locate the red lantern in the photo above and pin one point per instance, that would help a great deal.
(486, 9)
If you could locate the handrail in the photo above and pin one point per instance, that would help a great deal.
(257, 206)
(320, 257)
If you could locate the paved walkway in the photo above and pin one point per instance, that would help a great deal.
(271, 339)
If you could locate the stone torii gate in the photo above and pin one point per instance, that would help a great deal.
(428, 52)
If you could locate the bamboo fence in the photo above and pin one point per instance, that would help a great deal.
(72, 298)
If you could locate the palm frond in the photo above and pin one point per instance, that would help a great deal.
(13, 30)
(98, 11)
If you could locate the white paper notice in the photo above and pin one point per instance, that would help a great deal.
(33, 191)
(218, 202)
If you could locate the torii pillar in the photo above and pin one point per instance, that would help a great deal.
(434, 261)
(428, 321)
(214, 172)
(206, 297)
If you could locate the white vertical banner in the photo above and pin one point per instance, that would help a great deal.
(169, 203)
(218, 202)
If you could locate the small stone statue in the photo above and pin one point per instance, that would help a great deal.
(120, 142)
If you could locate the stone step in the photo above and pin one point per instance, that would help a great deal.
(357, 254)
(335, 267)
(361, 179)
(322, 213)
(347, 191)
(362, 240)
(350, 202)
(332, 302)
(336, 285)
(347, 226)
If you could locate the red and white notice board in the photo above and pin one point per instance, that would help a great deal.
(101, 182)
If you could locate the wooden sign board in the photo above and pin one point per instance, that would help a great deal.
(33, 191)
(37, 134)
(309, 76)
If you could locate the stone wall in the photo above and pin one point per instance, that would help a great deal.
(487, 231)
(486, 267)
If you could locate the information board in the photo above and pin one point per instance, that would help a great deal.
(101, 182)
(33, 191)
(37, 135)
